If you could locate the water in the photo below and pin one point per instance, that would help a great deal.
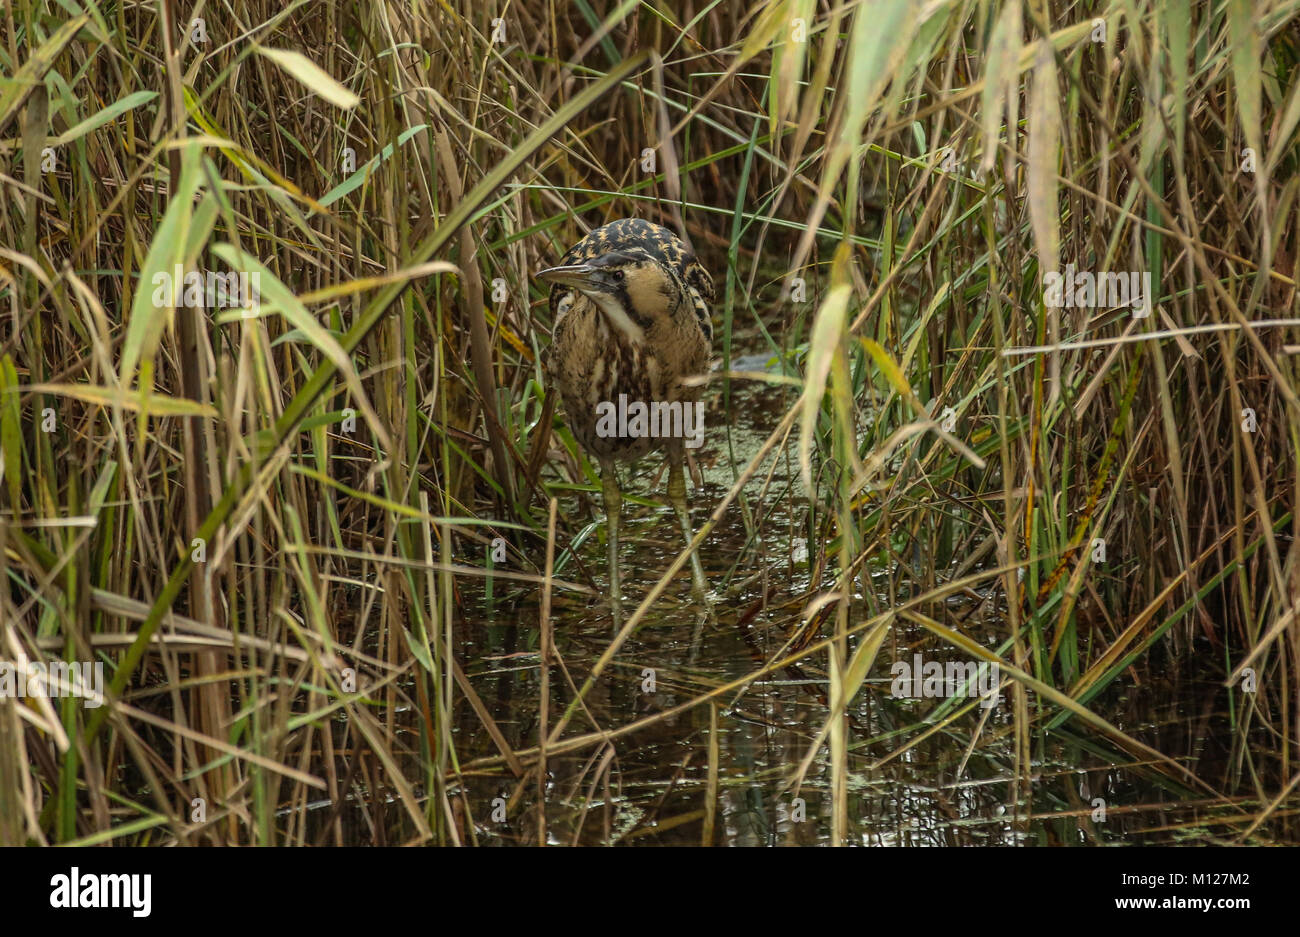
(910, 782)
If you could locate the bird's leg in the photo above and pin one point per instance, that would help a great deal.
(613, 508)
(677, 495)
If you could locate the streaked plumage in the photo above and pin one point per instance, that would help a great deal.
(631, 309)
(652, 240)
(591, 359)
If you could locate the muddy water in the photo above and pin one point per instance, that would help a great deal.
(910, 783)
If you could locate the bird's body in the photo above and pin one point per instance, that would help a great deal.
(630, 304)
(592, 359)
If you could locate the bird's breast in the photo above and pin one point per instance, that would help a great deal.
(592, 363)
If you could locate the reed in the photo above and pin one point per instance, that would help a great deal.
(270, 523)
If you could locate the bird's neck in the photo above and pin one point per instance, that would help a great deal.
(616, 317)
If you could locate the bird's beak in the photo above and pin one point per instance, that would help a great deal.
(575, 275)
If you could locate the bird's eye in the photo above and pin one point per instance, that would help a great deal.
(617, 276)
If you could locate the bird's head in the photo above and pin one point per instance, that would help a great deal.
(633, 289)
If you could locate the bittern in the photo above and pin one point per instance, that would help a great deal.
(630, 306)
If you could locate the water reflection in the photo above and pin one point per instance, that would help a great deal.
(951, 784)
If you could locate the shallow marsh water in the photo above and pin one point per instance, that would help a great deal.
(909, 784)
